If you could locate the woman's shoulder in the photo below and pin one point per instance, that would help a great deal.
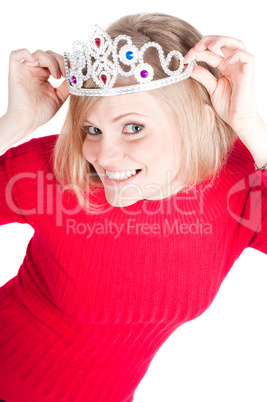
(238, 175)
(33, 154)
(44, 144)
(240, 162)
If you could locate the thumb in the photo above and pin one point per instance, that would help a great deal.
(203, 76)
(62, 92)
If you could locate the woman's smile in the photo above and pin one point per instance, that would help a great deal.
(122, 175)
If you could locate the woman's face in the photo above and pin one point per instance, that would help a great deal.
(132, 143)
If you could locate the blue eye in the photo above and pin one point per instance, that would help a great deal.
(135, 128)
(92, 130)
(132, 128)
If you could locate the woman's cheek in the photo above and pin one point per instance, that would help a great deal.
(88, 150)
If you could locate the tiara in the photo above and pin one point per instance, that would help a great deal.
(98, 58)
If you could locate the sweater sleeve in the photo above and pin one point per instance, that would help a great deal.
(259, 240)
(19, 167)
(8, 195)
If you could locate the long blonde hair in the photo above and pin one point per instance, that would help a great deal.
(203, 148)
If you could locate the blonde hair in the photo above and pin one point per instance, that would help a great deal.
(203, 146)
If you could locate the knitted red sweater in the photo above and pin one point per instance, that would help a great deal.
(98, 294)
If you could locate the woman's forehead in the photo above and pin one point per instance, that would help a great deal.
(140, 103)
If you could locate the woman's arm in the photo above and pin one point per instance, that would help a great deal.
(32, 100)
(255, 139)
(10, 132)
(232, 94)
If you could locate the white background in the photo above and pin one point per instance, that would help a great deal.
(221, 356)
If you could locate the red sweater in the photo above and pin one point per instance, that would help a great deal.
(98, 294)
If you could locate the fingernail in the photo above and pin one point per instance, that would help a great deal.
(212, 44)
(228, 59)
(32, 63)
(33, 58)
(188, 58)
(197, 45)
(59, 73)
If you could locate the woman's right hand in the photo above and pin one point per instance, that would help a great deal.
(32, 100)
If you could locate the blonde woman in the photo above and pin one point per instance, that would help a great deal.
(140, 206)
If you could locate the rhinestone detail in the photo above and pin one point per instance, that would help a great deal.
(129, 55)
(97, 42)
(103, 78)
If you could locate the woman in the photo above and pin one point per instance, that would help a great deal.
(140, 206)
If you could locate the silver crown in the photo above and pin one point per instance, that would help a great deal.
(101, 60)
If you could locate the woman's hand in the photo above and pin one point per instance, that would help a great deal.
(232, 94)
(32, 100)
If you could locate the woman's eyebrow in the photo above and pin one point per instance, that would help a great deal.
(119, 117)
(125, 115)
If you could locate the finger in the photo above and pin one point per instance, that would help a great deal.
(241, 56)
(226, 51)
(47, 61)
(216, 42)
(60, 61)
(213, 59)
(247, 62)
(19, 56)
(207, 79)
(62, 91)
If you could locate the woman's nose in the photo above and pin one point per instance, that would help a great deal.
(109, 154)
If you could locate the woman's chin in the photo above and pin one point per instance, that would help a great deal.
(117, 201)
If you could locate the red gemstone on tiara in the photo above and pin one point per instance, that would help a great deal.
(97, 42)
(103, 78)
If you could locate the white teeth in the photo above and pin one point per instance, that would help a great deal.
(123, 175)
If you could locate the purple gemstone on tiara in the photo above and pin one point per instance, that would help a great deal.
(144, 73)
(73, 79)
(129, 55)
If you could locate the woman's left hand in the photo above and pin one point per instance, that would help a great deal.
(232, 95)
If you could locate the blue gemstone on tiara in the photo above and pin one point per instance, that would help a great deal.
(129, 55)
